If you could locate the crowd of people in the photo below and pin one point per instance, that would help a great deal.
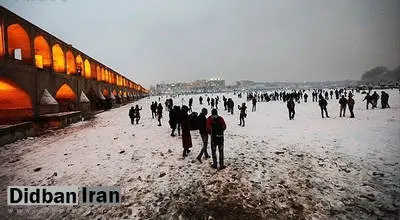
(214, 125)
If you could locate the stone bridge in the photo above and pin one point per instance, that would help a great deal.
(41, 74)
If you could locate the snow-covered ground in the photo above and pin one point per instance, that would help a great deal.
(305, 168)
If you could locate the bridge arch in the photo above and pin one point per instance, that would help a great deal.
(15, 103)
(87, 71)
(98, 73)
(58, 59)
(106, 92)
(18, 38)
(79, 66)
(1, 41)
(71, 67)
(42, 52)
(66, 98)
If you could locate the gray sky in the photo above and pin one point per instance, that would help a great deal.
(263, 40)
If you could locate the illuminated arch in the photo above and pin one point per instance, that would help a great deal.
(98, 73)
(12, 96)
(18, 38)
(15, 103)
(1, 42)
(88, 71)
(102, 74)
(114, 92)
(79, 66)
(94, 70)
(58, 59)
(65, 93)
(106, 93)
(42, 52)
(71, 67)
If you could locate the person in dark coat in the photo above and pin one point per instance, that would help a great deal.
(132, 115)
(369, 99)
(242, 114)
(202, 122)
(385, 100)
(375, 98)
(290, 105)
(254, 102)
(137, 113)
(343, 103)
(216, 127)
(153, 108)
(350, 103)
(159, 113)
(201, 100)
(322, 104)
(230, 105)
(208, 100)
(190, 104)
(305, 97)
(174, 115)
(186, 137)
(212, 102)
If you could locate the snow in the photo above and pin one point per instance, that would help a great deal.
(100, 95)
(47, 99)
(276, 168)
(112, 96)
(83, 98)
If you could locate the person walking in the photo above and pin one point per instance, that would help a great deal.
(254, 102)
(159, 113)
(174, 115)
(305, 97)
(350, 103)
(242, 114)
(186, 137)
(375, 98)
(290, 105)
(322, 104)
(216, 127)
(202, 122)
(190, 104)
(385, 100)
(343, 103)
(132, 115)
(137, 113)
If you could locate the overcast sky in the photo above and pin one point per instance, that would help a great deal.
(263, 40)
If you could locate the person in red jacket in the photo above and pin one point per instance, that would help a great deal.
(216, 127)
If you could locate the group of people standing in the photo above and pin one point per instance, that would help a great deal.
(213, 126)
(373, 99)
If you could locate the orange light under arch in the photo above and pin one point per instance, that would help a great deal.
(71, 67)
(94, 70)
(88, 71)
(106, 93)
(42, 51)
(18, 38)
(65, 92)
(1, 42)
(58, 59)
(79, 66)
(13, 97)
(98, 72)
